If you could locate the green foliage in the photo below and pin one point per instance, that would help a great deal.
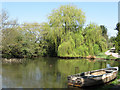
(117, 41)
(78, 38)
(112, 39)
(67, 17)
(63, 35)
(62, 21)
(66, 48)
(21, 41)
(104, 31)
(82, 50)
(87, 42)
(111, 42)
(96, 49)
(94, 39)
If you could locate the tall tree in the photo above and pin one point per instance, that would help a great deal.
(65, 19)
(104, 31)
(117, 42)
(112, 39)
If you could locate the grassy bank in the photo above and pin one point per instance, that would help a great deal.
(102, 55)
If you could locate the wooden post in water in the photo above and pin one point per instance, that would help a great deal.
(76, 70)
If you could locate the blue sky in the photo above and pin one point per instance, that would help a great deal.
(101, 13)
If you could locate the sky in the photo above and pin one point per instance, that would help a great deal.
(101, 13)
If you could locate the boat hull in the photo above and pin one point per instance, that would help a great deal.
(92, 78)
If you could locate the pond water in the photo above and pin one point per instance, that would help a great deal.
(47, 72)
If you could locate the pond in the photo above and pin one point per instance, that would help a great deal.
(47, 72)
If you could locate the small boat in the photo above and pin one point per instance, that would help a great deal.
(94, 77)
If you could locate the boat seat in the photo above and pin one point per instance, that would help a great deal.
(109, 71)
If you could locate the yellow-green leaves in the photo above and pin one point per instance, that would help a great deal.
(68, 17)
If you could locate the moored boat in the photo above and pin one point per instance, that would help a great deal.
(94, 77)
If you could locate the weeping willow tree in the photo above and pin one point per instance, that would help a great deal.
(63, 21)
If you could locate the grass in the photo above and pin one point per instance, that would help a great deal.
(115, 82)
(102, 55)
(110, 57)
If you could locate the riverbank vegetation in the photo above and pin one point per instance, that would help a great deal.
(65, 35)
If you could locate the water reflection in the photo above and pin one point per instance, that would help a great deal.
(46, 72)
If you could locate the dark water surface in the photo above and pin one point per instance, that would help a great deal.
(47, 72)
